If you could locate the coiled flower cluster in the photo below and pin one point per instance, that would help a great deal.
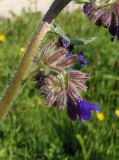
(59, 83)
(104, 13)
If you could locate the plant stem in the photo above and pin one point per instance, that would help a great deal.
(15, 84)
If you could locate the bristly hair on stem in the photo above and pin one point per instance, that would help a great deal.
(43, 28)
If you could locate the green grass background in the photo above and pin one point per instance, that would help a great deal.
(30, 131)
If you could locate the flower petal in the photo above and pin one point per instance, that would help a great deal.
(63, 43)
(83, 110)
(72, 110)
(93, 107)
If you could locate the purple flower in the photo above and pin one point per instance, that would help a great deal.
(84, 109)
(81, 110)
(69, 53)
(104, 14)
(72, 109)
(59, 84)
(118, 32)
(85, 9)
(82, 59)
(63, 43)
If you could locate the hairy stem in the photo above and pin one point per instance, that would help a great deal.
(42, 30)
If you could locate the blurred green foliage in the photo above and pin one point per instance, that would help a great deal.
(82, 1)
(31, 131)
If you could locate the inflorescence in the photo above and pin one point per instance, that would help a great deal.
(104, 13)
(59, 83)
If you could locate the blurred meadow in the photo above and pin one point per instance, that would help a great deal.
(30, 131)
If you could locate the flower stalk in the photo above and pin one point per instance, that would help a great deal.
(43, 28)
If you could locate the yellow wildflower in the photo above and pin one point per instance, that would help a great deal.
(2, 37)
(100, 116)
(117, 112)
(22, 51)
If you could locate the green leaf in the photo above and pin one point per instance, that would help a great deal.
(82, 1)
(58, 30)
(83, 41)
